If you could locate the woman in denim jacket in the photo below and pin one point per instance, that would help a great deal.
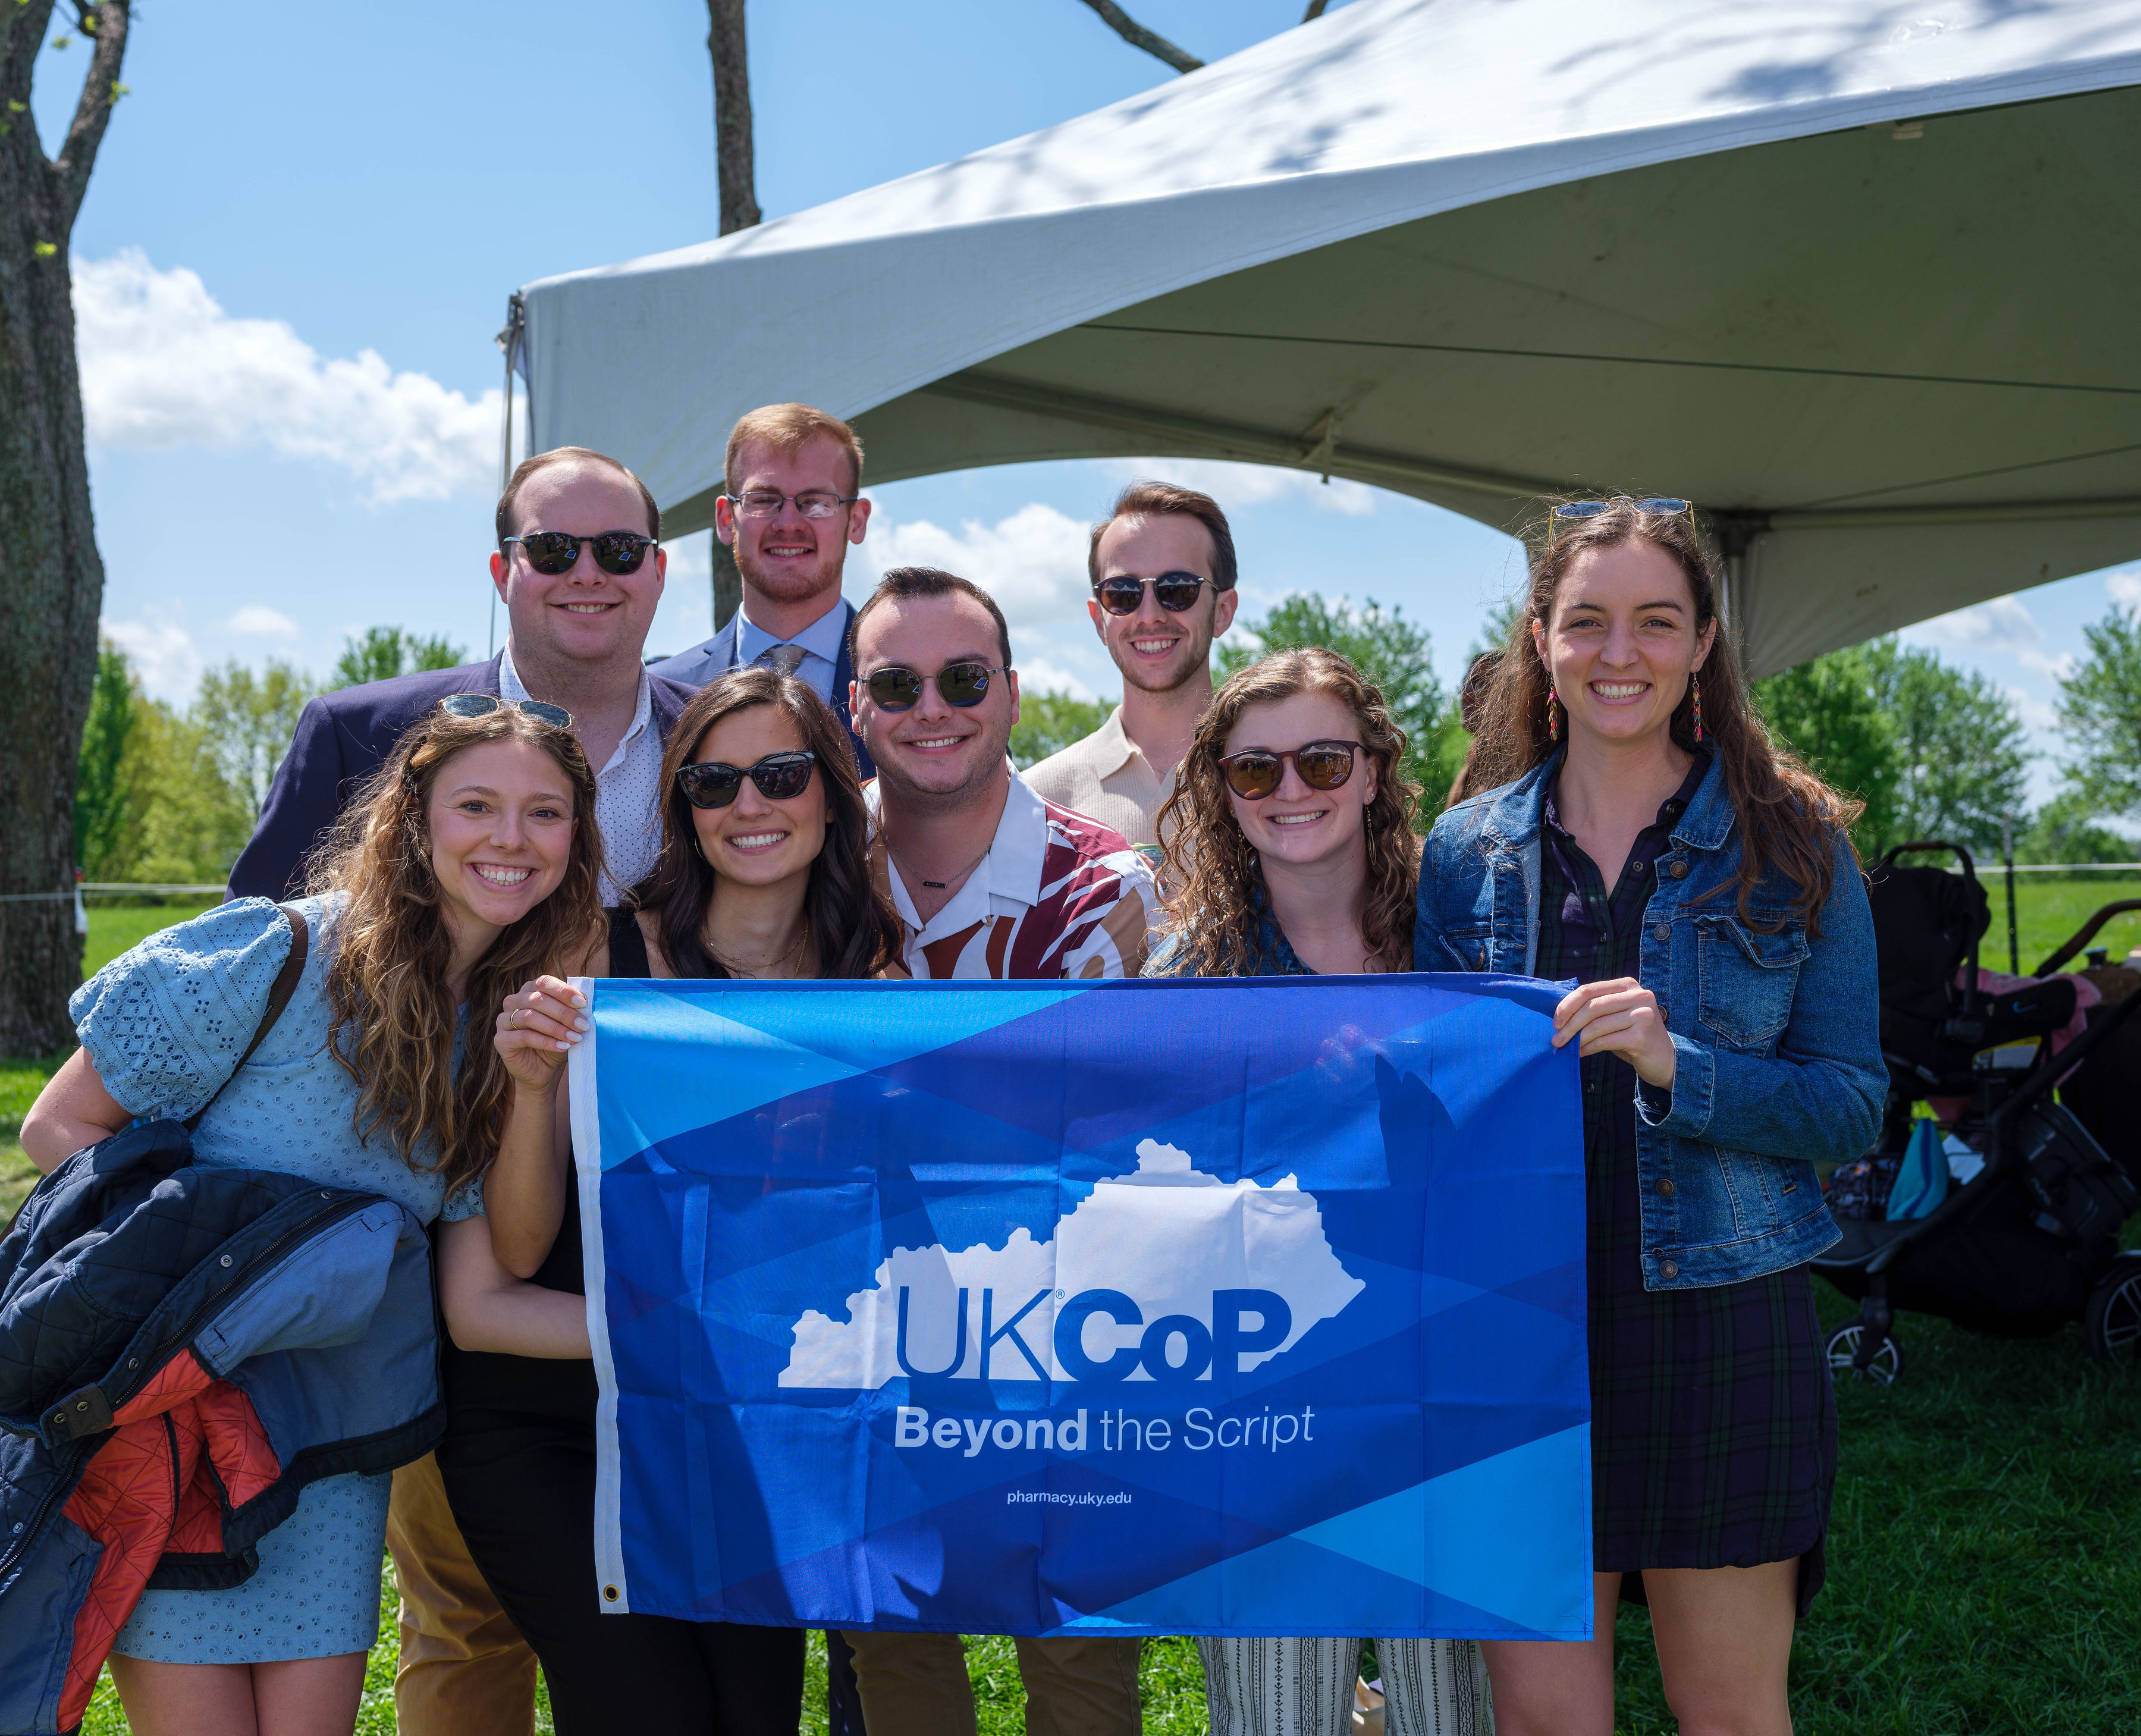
(1639, 833)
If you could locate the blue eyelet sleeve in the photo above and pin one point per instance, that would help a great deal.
(466, 1203)
(164, 1023)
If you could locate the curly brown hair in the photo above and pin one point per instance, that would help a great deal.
(1210, 867)
(393, 1015)
(1788, 817)
(853, 931)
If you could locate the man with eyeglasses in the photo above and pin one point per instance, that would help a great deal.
(989, 881)
(1162, 568)
(793, 506)
(580, 569)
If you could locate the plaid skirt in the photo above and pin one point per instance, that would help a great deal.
(1713, 1417)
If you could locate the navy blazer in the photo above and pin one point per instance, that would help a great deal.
(341, 739)
(717, 656)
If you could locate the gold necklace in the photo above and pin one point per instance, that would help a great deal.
(759, 975)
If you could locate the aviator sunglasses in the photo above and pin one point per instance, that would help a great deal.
(553, 552)
(780, 777)
(1254, 773)
(1120, 594)
(482, 704)
(1570, 514)
(894, 689)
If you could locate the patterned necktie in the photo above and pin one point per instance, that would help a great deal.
(783, 659)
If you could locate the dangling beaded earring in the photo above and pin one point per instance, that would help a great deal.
(1552, 715)
(1694, 692)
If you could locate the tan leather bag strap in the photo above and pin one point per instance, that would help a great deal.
(278, 997)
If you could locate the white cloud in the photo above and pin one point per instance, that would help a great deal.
(162, 652)
(2056, 668)
(1238, 485)
(2035, 713)
(258, 620)
(2124, 588)
(1033, 563)
(2003, 624)
(164, 366)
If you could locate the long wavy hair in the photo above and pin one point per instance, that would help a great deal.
(1788, 818)
(853, 929)
(1214, 873)
(393, 1015)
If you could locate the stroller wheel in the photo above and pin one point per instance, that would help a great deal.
(2111, 1325)
(1842, 1348)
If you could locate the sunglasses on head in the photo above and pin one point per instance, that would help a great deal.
(1255, 772)
(553, 552)
(780, 777)
(894, 689)
(482, 704)
(1120, 594)
(1570, 514)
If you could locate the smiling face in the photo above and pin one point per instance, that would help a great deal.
(934, 751)
(501, 818)
(1156, 651)
(787, 557)
(1296, 825)
(585, 615)
(1621, 641)
(754, 840)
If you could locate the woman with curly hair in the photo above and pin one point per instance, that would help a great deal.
(1631, 827)
(763, 873)
(470, 860)
(1291, 852)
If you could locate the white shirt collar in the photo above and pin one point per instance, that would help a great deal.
(1005, 883)
(513, 689)
(821, 638)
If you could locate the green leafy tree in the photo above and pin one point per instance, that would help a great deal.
(1933, 751)
(107, 818)
(384, 652)
(246, 721)
(1828, 712)
(2066, 829)
(1395, 656)
(2101, 706)
(193, 821)
(1050, 722)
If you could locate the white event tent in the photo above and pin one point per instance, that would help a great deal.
(1859, 278)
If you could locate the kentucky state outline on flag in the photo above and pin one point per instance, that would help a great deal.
(1148, 1307)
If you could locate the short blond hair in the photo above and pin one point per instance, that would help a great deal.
(788, 428)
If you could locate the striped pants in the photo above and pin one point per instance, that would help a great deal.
(1305, 1687)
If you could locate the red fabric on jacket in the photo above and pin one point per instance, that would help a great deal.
(181, 1448)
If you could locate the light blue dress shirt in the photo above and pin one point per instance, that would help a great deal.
(820, 642)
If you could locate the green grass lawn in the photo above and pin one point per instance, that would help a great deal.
(1983, 1576)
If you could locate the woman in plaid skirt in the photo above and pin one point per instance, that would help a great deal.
(1628, 824)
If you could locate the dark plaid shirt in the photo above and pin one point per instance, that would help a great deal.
(1713, 1421)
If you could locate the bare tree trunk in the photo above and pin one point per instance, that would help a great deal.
(732, 137)
(52, 579)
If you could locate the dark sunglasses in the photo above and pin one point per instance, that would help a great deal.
(1254, 773)
(1123, 595)
(780, 777)
(482, 704)
(552, 551)
(895, 689)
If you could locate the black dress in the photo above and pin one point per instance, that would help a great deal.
(519, 1461)
(1713, 1420)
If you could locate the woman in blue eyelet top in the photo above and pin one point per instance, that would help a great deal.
(1639, 834)
(468, 862)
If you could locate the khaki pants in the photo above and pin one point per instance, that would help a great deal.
(464, 1669)
(915, 1685)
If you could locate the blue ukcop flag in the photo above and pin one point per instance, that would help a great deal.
(1168, 1307)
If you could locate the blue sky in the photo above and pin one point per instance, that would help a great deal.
(302, 232)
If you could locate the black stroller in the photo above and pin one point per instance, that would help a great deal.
(2027, 1237)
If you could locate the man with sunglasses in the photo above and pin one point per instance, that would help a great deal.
(1162, 568)
(793, 506)
(988, 881)
(580, 570)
